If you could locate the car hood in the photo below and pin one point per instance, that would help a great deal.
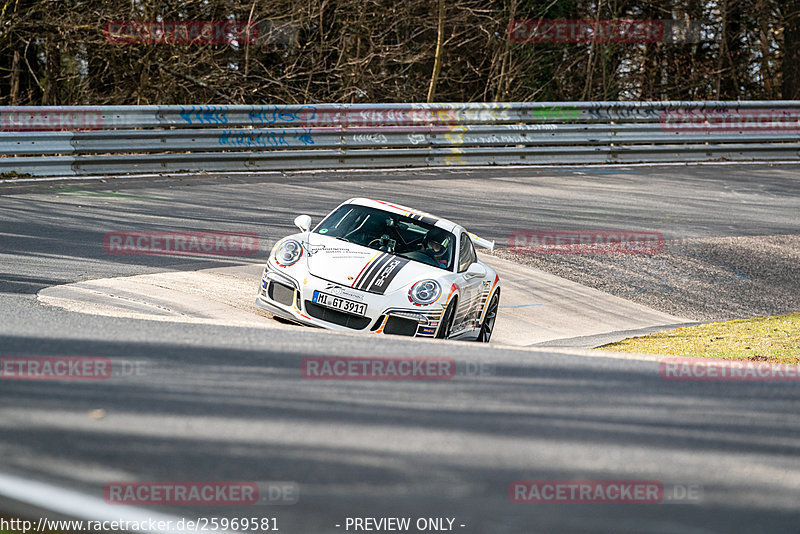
(361, 267)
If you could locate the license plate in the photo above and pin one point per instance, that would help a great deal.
(338, 303)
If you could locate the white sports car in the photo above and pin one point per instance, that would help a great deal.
(376, 267)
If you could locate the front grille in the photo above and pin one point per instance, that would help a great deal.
(336, 317)
(281, 293)
(400, 326)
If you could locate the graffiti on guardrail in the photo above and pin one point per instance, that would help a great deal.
(496, 139)
(343, 116)
(653, 111)
(644, 111)
(456, 137)
(204, 115)
(375, 139)
(531, 127)
(556, 113)
(353, 117)
(253, 140)
(275, 139)
(305, 138)
(283, 114)
(472, 133)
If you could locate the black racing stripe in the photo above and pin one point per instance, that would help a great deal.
(374, 270)
(383, 278)
(366, 270)
(371, 270)
(428, 220)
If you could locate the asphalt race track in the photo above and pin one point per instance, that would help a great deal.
(211, 402)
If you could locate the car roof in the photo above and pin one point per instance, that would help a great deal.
(408, 212)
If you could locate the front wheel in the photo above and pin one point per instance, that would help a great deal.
(447, 321)
(488, 322)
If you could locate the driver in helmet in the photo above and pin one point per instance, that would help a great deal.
(433, 247)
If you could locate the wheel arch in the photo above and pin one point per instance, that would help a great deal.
(494, 292)
(452, 301)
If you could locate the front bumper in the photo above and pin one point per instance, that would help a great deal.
(282, 295)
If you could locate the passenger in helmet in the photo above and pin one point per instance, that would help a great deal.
(435, 247)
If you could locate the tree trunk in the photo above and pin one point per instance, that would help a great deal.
(52, 64)
(731, 62)
(762, 6)
(16, 71)
(437, 61)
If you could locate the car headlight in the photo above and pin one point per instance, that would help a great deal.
(425, 292)
(288, 253)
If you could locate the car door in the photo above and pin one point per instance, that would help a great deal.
(468, 312)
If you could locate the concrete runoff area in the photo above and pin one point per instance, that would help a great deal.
(535, 307)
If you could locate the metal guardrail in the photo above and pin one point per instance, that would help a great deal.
(55, 141)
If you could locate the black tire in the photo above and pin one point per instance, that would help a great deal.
(447, 320)
(487, 327)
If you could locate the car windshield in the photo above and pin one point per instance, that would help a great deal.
(392, 233)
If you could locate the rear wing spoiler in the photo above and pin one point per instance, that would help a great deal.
(481, 242)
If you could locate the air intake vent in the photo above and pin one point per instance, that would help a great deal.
(281, 293)
(400, 326)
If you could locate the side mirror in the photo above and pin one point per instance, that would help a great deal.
(303, 222)
(476, 270)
